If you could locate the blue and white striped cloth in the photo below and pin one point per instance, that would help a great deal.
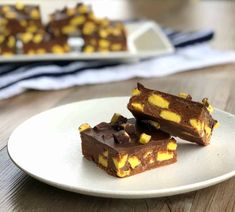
(17, 78)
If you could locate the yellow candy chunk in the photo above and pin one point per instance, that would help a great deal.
(32, 28)
(35, 14)
(171, 146)
(208, 131)
(158, 101)
(164, 155)
(57, 49)
(89, 28)
(137, 106)
(144, 138)
(2, 38)
(103, 161)
(197, 124)
(11, 42)
(216, 125)
(136, 92)
(120, 161)
(134, 161)
(89, 49)
(41, 51)
(104, 43)
(84, 127)
(77, 20)
(69, 29)
(147, 154)
(83, 9)
(184, 95)
(122, 173)
(19, 6)
(103, 33)
(115, 117)
(26, 37)
(170, 116)
(37, 38)
(116, 47)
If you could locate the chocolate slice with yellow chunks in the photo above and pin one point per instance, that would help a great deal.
(176, 115)
(125, 147)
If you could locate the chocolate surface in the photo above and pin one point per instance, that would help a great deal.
(120, 152)
(179, 114)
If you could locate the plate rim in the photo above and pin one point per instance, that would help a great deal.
(120, 194)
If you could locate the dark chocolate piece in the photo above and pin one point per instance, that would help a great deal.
(102, 35)
(178, 116)
(42, 42)
(121, 154)
(20, 18)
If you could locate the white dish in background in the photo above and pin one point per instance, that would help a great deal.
(145, 39)
(48, 147)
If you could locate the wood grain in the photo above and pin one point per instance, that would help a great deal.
(19, 192)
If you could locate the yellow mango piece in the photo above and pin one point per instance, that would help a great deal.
(171, 146)
(197, 124)
(210, 109)
(137, 106)
(41, 51)
(144, 138)
(148, 153)
(26, 37)
(106, 153)
(89, 49)
(83, 8)
(2, 38)
(164, 155)
(134, 161)
(115, 117)
(35, 14)
(57, 49)
(216, 125)
(68, 29)
(84, 127)
(37, 38)
(103, 33)
(89, 28)
(103, 161)
(136, 92)
(121, 161)
(170, 116)
(207, 130)
(104, 43)
(122, 173)
(7, 54)
(116, 47)
(11, 42)
(77, 20)
(183, 95)
(158, 101)
(19, 5)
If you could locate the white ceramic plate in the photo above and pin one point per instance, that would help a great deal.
(48, 147)
(145, 39)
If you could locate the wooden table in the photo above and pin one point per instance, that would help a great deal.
(22, 193)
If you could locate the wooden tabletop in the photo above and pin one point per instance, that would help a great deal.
(20, 192)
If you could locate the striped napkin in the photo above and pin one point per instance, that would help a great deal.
(192, 52)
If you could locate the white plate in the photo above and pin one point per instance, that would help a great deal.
(145, 39)
(48, 147)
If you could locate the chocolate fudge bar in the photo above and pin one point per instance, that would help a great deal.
(7, 45)
(42, 42)
(20, 18)
(102, 35)
(69, 21)
(176, 115)
(124, 147)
